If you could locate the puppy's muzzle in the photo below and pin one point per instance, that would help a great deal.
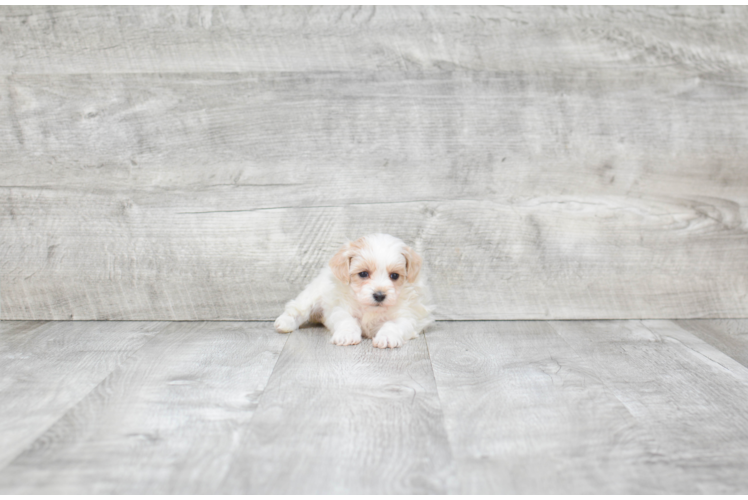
(379, 296)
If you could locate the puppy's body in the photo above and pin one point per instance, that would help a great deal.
(372, 288)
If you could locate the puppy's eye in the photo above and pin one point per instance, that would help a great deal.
(394, 276)
(364, 274)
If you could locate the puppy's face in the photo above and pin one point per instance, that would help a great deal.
(376, 267)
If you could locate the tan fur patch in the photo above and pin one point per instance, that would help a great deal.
(363, 265)
(413, 263)
(341, 261)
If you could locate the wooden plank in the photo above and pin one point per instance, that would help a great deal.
(352, 419)
(259, 140)
(103, 256)
(604, 407)
(47, 369)
(115, 39)
(689, 396)
(526, 414)
(167, 421)
(728, 335)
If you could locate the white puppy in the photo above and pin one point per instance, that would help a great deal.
(371, 288)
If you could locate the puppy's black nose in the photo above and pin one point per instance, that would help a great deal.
(379, 296)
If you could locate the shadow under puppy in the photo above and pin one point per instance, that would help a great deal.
(372, 288)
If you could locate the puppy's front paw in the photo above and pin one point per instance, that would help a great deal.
(285, 323)
(388, 336)
(347, 335)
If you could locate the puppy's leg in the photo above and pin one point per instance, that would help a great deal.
(345, 329)
(395, 333)
(297, 311)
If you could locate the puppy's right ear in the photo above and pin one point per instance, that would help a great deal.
(340, 264)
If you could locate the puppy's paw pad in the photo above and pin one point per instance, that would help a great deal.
(346, 337)
(285, 323)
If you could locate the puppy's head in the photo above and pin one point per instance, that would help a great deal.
(376, 267)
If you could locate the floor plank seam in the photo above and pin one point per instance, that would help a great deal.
(600, 379)
(439, 398)
(699, 339)
(287, 336)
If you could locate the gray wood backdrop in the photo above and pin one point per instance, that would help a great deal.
(203, 163)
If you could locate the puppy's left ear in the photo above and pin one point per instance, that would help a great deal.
(413, 263)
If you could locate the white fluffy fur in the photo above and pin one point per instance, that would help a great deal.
(344, 301)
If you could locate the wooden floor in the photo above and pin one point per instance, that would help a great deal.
(473, 407)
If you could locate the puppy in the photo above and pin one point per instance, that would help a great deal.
(372, 288)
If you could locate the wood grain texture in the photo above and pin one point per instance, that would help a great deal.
(525, 413)
(11, 329)
(556, 407)
(590, 407)
(204, 163)
(166, 421)
(687, 395)
(298, 139)
(149, 179)
(46, 369)
(345, 420)
(229, 39)
(542, 258)
(728, 335)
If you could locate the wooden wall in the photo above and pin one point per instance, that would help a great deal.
(203, 163)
